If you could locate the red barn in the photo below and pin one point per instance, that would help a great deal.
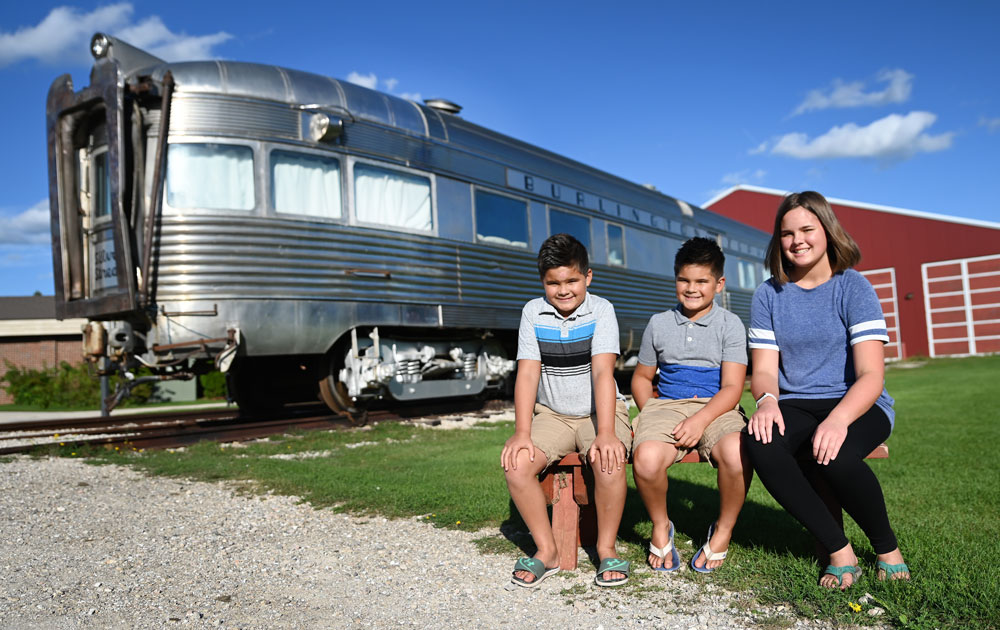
(937, 276)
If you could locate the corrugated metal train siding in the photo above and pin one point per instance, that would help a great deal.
(214, 258)
(205, 258)
(218, 116)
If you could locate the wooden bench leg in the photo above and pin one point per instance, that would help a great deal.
(565, 519)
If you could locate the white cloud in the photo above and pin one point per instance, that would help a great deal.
(991, 124)
(894, 136)
(153, 36)
(843, 94)
(760, 148)
(30, 227)
(744, 177)
(369, 81)
(64, 34)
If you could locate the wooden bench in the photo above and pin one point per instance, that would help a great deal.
(570, 493)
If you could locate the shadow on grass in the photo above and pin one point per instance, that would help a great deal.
(692, 507)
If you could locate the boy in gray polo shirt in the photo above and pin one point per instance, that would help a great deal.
(699, 349)
(566, 400)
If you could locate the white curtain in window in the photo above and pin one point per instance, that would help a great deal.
(304, 184)
(392, 198)
(217, 176)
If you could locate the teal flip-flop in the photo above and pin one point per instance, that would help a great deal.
(893, 569)
(612, 564)
(839, 572)
(533, 566)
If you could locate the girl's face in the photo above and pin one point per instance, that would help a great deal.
(803, 239)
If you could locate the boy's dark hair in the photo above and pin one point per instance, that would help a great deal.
(562, 250)
(701, 251)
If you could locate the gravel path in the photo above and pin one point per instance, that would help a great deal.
(86, 546)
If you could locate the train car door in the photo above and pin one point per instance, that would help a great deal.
(93, 250)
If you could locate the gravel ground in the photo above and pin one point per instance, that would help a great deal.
(86, 546)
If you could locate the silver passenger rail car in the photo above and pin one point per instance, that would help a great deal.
(299, 230)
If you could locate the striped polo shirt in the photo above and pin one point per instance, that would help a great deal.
(564, 346)
(689, 354)
(814, 330)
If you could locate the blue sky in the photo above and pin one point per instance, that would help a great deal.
(891, 103)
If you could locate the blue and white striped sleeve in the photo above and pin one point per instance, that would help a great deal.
(864, 316)
(761, 331)
(527, 341)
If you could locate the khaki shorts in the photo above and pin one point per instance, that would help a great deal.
(658, 418)
(558, 435)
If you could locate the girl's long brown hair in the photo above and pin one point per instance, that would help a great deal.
(841, 249)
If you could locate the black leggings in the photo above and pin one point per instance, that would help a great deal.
(852, 481)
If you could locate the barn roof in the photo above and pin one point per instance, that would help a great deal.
(858, 204)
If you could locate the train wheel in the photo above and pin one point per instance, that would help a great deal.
(334, 394)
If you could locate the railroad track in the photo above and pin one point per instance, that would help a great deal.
(182, 428)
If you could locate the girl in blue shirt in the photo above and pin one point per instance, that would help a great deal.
(816, 336)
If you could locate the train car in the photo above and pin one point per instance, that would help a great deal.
(312, 236)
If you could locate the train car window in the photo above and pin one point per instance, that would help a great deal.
(501, 220)
(616, 245)
(574, 224)
(210, 175)
(305, 184)
(748, 275)
(392, 198)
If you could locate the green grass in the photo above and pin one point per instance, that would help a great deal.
(940, 485)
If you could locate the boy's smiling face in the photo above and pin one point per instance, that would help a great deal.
(566, 288)
(697, 286)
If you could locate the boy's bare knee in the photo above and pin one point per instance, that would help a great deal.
(612, 476)
(527, 470)
(729, 454)
(649, 461)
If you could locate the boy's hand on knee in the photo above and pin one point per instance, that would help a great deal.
(688, 432)
(609, 451)
(514, 444)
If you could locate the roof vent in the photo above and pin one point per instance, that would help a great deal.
(443, 105)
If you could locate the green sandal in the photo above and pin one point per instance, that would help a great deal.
(608, 565)
(533, 566)
(838, 572)
(892, 569)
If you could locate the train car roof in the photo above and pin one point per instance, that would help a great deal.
(312, 91)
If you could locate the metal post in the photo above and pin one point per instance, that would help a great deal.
(105, 387)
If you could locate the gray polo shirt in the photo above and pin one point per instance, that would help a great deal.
(689, 354)
(565, 345)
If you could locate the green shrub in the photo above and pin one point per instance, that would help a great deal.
(213, 384)
(65, 386)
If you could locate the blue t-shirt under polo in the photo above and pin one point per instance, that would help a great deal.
(814, 330)
(689, 354)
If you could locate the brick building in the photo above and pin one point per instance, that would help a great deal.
(32, 337)
(937, 276)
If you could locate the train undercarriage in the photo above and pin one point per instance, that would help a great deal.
(365, 367)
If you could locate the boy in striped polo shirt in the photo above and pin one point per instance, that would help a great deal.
(566, 400)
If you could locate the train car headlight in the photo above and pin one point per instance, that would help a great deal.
(99, 45)
(322, 128)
